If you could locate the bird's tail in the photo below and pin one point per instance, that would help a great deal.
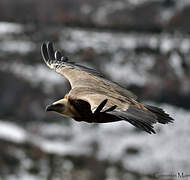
(144, 119)
(162, 116)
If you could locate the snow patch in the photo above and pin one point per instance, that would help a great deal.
(74, 39)
(128, 72)
(12, 132)
(8, 28)
(22, 47)
(38, 74)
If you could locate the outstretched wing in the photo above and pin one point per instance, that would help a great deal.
(115, 108)
(78, 75)
(90, 89)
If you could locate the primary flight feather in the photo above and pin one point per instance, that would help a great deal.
(93, 98)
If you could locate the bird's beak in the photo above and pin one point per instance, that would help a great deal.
(50, 108)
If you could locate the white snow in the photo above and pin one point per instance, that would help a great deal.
(19, 46)
(8, 28)
(38, 74)
(185, 45)
(137, 2)
(57, 147)
(126, 74)
(7, 41)
(74, 39)
(23, 176)
(175, 62)
(129, 72)
(12, 132)
(167, 44)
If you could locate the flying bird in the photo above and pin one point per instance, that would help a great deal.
(93, 98)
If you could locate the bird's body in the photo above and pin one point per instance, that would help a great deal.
(93, 98)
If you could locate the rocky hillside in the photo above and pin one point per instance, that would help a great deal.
(149, 56)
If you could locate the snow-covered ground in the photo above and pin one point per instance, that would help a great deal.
(167, 151)
(7, 41)
(9, 28)
(12, 132)
(133, 69)
(36, 75)
(74, 39)
(19, 46)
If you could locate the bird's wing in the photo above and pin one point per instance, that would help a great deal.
(115, 109)
(95, 95)
(78, 75)
(111, 109)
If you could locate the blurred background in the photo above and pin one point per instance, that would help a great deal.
(141, 44)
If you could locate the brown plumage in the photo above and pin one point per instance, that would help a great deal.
(96, 99)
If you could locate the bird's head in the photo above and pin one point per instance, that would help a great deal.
(62, 106)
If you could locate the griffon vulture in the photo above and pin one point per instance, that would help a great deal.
(93, 98)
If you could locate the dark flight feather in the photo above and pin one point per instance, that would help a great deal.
(56, 60)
